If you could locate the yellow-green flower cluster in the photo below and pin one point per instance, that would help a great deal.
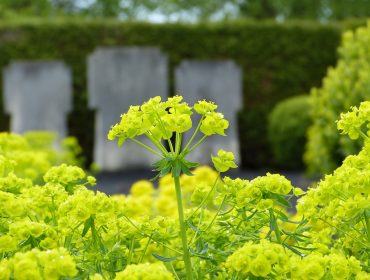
(332, 266)
(260, 191)
(214, 123)
(56, 228)
(31, 155)
(340, 204)
(264, 259)
(159, 120)
(39, 265)
(145, 271)
(351, 122)
(272, 261)
(274, 183)
(224, 161)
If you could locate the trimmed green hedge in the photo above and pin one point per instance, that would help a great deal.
(287, 127)
(278, 61)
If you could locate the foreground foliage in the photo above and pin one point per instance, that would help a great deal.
(57, 228)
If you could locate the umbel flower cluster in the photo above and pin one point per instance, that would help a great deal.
(54, 226)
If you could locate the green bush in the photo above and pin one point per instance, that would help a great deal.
(346, 85)
(278, 61)
(287, 126)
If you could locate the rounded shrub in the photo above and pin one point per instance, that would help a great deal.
(345, 85)
(287, 126)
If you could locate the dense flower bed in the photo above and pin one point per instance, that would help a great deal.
(52, 226)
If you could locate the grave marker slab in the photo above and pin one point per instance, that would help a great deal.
(118, 78)
(218, 81)
(37, 95)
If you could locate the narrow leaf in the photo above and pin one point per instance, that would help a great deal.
(294, 250)
(164, 259)
(87, 226)
(193, 227)
(176, 170)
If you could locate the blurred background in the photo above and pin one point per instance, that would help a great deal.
(284, 49)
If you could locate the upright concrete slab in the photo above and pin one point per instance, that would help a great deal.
(38, 95)
(118, 78)
(218, 81)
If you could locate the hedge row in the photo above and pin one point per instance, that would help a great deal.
(278, 61)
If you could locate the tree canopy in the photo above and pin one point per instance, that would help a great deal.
(190, 10)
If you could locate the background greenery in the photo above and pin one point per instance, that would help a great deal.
(278, 61)
(287, 126)
(345, 85)
(189, 10)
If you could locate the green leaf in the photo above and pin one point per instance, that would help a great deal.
(190, 164)
(164, 259)
(205, 249)
(280, 199)
(176, 169)
(87, 226)
(165, 170)
(201, 256)
(294, 250)
(193, 227)
(282, 216)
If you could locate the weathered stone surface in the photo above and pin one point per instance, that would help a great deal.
(38, 95)
(118, 78)
(218, 81)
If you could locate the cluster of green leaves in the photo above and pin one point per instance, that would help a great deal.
(287, 129)
(188, 10)
(282, 60)
(346, 85)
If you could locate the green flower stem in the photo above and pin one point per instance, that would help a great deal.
(146, 147)
(364, 135)
(211, 223)
(171, 146)
(157, 144)
(186, 255)
(276, 227)
(178, 143)
(198, 226)
(145, 250)
(165, 132)
(193, 136)
(205, 198)
(150, 236)
(197, 144)
(367, 221)
(344, 233)
(218, 212)
(131, 251)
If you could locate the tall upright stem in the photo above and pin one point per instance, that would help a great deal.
(367, 221)
(186, 255)
(276, 226)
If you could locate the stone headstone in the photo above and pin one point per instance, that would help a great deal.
(118, 78)
(37, 95)
(218, 81)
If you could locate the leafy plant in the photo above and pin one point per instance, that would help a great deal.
(287, 129)
(198, 224)
(345, 85)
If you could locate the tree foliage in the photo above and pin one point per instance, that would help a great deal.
(192, 10)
